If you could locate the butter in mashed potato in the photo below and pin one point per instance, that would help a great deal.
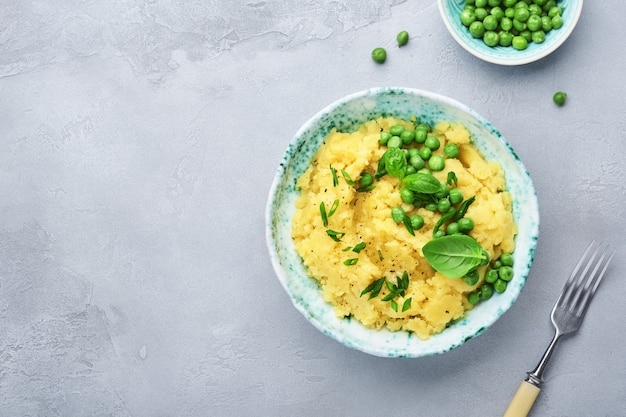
(364, 217)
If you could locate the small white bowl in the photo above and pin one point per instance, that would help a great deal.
(347, 114)
(451, 13)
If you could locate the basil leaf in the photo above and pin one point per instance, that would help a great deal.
(452, 179)
(381, 171)
(453, 256)
(420, 182)
(395, 162)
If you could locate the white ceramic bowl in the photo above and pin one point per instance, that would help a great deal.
(451, 11)
(346, 114)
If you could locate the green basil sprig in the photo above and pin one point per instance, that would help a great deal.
(422, 183)
(455, 255)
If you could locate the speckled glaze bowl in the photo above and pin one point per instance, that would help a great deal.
(347, 114)
(451, 13)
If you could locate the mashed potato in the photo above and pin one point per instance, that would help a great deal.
(364, 217)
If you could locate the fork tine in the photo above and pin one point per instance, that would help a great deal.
(570, 286)
(594, 280)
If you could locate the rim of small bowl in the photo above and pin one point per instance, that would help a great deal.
(387, 343)
(496, 55)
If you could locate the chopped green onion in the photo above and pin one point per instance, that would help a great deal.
(323, 214)
(336, 236)
(335, 179)
(359, 247)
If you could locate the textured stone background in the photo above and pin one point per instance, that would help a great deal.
(138, 142)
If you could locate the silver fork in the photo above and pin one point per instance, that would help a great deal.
(567, 314)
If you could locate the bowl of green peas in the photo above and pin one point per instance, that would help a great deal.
(510, 32)
(346, 114)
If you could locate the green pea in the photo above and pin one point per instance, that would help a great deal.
(505, 273)
(508, 3)
(481, 3)
(490, 22)
(436, 163)
(535, 10)
(431, 206)
(506, 38)
(538, 36)
(519, 26)
(509, 12)
(394, 142)
(546, 24)
(471, 278)
(497, 12)
(468, 17)
(403, 38)
(398, 214)
(407, 136)
(452, 228)
(521, 14)
(407, 196)
(481, 13)
(506, 259)
(396, 130)
(559, 98)
(417, 162)
(493, 3)
(425, 153)
(499, 286)
(557, 21)
(534, 23)
(491, 276)
(491, 38)
(379, 55)
(432, 142)
(527, 34)
(384, 138)
(554, 11)
(466, 224)
(473, 297)
(451, 150)
(420, 135)
(366, 179)
(477, 29)
(486, 291)
(519, 42)
(410, 170)
(438, 234)
(497, 264)
(417, 222)
(456, 196)
(506, 24)
(444, 205)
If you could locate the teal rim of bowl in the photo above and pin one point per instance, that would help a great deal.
(346, 114)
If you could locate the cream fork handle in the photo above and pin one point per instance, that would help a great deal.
(523, 400)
